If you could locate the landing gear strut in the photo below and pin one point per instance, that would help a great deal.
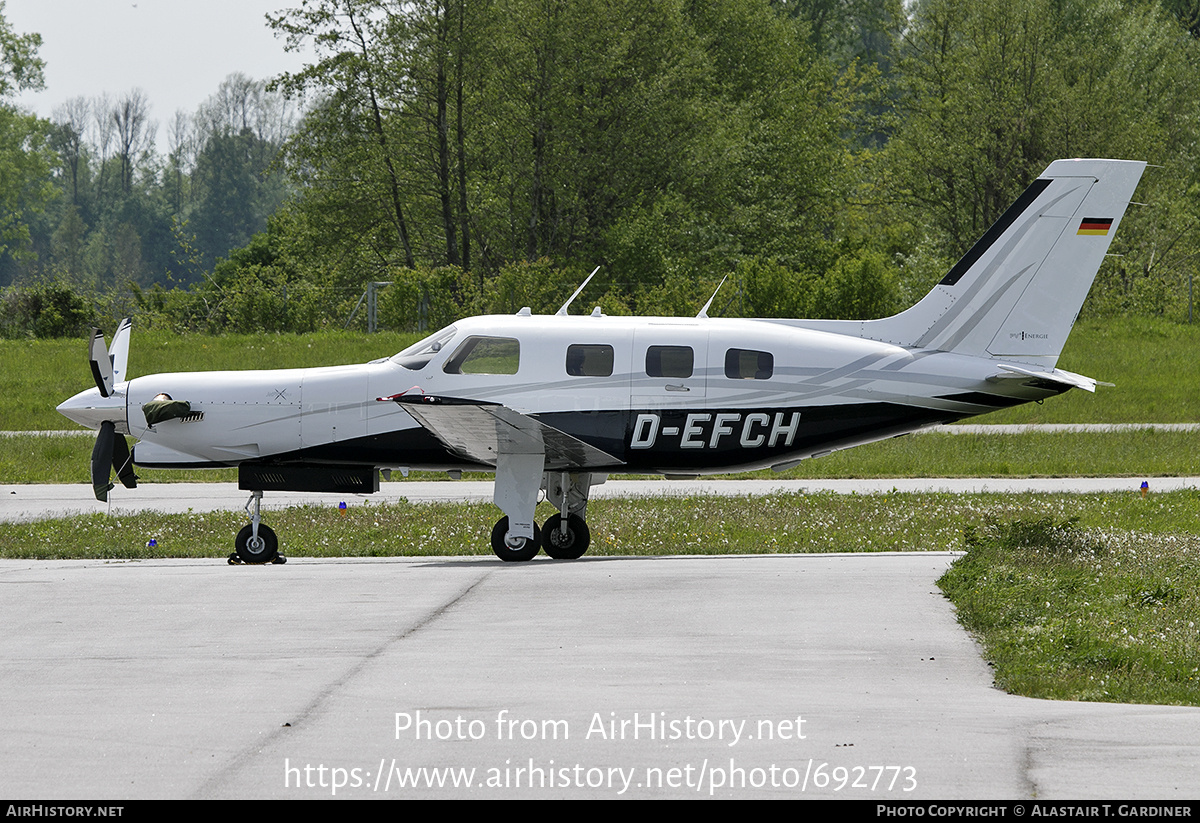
(256, 543)
(566, 535)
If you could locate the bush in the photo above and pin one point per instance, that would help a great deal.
(772, 289)
(425, 299)
(860, 286)
(260, 298)
(45, 310)
(540, 285)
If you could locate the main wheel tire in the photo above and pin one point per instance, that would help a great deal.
(568, 546)
(527, 549)
(263, 550)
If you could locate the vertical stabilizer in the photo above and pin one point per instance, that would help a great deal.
(1016, 293)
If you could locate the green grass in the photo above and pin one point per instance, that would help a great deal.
(622, 526)
(1145, 453)
(1105, 614)
(1152, 362)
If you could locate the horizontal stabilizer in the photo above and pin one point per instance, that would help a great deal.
(1059, 376)
(481, 432)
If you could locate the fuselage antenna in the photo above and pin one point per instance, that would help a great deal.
(563, 309)
(704, 311)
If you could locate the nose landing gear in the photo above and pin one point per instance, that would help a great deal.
(256, 543)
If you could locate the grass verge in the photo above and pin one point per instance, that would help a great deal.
(777, 523)
(1072, 614)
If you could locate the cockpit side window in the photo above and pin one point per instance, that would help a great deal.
(747, 364)
(416, 356)
(485, 355)
(589, 360)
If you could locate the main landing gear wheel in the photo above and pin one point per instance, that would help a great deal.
(261, 549)
(523, 548)
(568, 545)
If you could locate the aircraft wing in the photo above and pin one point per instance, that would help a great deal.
(481, 431)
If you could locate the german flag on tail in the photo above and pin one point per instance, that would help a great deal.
(1095, 225)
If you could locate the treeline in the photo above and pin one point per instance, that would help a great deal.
(130, 203)
(831, 157)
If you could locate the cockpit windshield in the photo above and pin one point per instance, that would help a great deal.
(418, 354)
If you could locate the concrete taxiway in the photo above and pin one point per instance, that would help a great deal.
(765, 676)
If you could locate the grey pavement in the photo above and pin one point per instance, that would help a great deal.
(764, 676)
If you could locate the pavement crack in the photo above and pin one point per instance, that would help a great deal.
(211, 786)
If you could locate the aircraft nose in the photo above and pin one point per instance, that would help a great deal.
(89, 408)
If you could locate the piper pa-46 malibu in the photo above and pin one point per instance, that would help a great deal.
(557, 403)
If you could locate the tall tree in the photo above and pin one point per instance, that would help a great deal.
(134, 131)
(996, 89)
(25, 155)
(486, 133)
(20, 67)
(71, 121)
(352, 74)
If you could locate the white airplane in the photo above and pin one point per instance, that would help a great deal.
(557, 403)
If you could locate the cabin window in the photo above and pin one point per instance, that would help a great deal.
(418, 354)
(589, 361)
(747, 364)
(669, 361)
(485, 355)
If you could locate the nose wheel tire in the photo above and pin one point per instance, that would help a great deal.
(512, 549)
(263, 549)
(569, 544)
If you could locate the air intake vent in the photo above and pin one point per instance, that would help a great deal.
(350, 479)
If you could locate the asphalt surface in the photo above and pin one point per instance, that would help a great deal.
(734, 677)
(838, 676)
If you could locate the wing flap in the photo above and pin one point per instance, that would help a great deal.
(480, 432)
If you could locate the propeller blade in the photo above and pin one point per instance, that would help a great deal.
(122, 462)
(119, 351)
(102, 459)
(102, 366)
